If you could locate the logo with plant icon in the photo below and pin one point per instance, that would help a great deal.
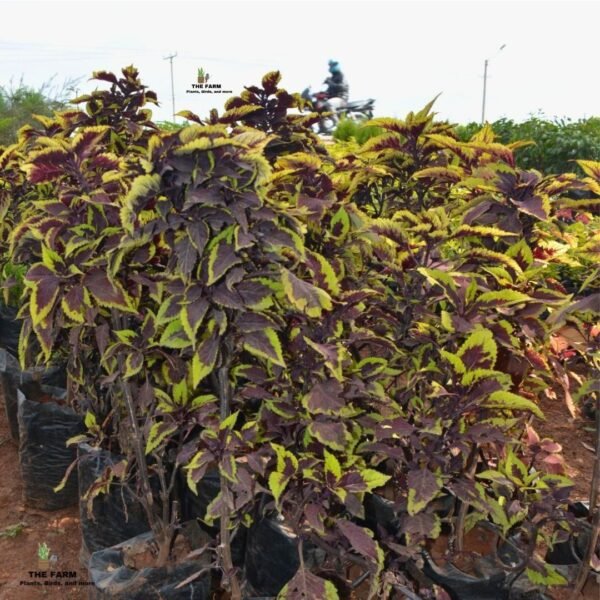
(43, 555)
(202, 76)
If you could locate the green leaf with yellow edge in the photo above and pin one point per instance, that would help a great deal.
(158, 433)
(374, 479)
(229, 422)
(446, 321)
(437, 277)
(508, 401)
(180, 392)
(90, 420)
(550, 577)
(174, 336)
(202, 400)
(332, 464)
(51, 258)
(125, 336)
(521, 252)
(277, 484)
(503, 297)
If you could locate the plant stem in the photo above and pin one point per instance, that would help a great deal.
(471, 467)
(584, 569)
(147, 499)
(228, 568)
(595, 488)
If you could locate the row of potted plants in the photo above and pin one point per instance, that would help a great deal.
(266, 337)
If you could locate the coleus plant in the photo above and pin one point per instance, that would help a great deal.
(468, 306)
(461, 352)
(316, 328)
(77, 166)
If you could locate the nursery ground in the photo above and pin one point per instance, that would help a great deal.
(22, 529)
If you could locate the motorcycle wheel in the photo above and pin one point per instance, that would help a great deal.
(327, 125)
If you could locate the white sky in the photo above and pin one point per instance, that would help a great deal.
(400, 53)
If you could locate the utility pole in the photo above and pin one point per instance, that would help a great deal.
(485, 71)
(170, 59)
(485, 64)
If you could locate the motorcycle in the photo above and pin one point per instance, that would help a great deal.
(357, 109)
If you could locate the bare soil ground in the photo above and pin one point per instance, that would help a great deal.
(19, 553)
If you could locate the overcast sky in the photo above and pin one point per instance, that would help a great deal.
(400, 53)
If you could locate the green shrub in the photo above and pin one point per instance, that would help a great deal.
(557, 144)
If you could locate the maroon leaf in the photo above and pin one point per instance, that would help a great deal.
(270, 81)
(253, 291)
(392, 428)
(422, 489)
(330, 433)
(105, 291)
(208, 349)
(104, 76)
(306, 586)
(48, 166)
(248, 322)
(359, 539)
(420, 526)
(325, 398)
(86, 141)
(186, 256)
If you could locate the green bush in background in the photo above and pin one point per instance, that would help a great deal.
(557, 143)
(360, 131)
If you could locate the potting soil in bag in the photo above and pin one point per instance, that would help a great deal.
(116, 575)
(489, 581)
(31, 382)
(272, 556)
(44, 429)
(10, 329)
(115, 515)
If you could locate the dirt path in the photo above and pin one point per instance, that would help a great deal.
(22, 529)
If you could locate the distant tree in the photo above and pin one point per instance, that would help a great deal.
(18, 104)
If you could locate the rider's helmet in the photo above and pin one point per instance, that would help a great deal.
(334, 66)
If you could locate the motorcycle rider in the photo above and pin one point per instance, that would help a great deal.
(337, 87)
